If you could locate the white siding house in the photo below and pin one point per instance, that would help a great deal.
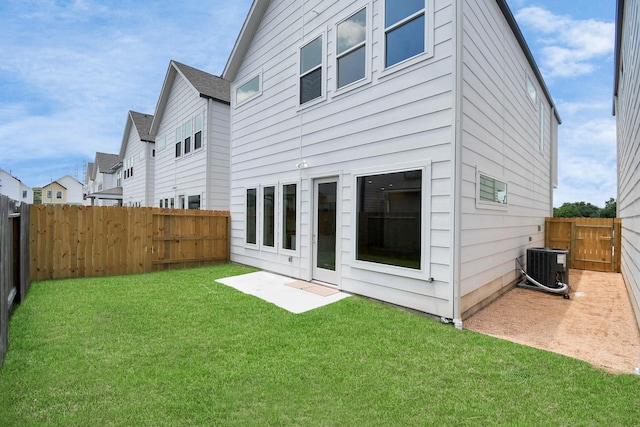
(400, 150)
(191, 131)
(65, 190)
(15, 189)
(626, 110)
(137, 153)
(104, 186)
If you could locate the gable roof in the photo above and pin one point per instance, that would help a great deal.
(105, 162)
(206, 85)
(142, 123)
(90, 173)
(258, 7)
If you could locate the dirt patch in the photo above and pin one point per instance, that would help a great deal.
(596, 325)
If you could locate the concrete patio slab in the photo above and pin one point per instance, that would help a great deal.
(294, 295)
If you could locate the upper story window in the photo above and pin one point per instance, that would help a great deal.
(58, 194)
(179, 141)
(49, 194)
(160, 143)
(248, 89)
(405, 30)
(351, 48)
(531, 90)
(311, 70)
(24, 194)
(187, 136)
(197, 129)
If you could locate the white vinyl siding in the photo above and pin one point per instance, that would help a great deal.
(398, 118)
(202, 171)
(501, 138)
(628, 133)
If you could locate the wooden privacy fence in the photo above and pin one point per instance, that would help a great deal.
(593, 243)
(85, 241)
(14, 262)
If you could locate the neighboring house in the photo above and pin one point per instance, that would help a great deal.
(405, 151)
(627, 110)
(15, 189)
(65, 190)
(191, 130)
(88, 184)
(105, 180)
(137, 152)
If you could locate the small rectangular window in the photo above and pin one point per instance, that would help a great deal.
(59, 195)
(178, 149)
(166, 203)
(311, 70)
(173, 202)
(160, 143)
(49, 194)
(351, 48)
(268, 216)
(492, 190)
(251, 216)
(24, 194)
(248, 90)
(161, 203)
(289, 216)
(390, 206)
(531, 90)
(404, 30)
(197, 136)
(187, 145)
(542, 114)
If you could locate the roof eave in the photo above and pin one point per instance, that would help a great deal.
(502, 4)
(617, 51)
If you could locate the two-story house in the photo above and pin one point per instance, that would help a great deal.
(190, 127)
(15, 189)
(401, 150)
(137, 152)
(65, 190)
(104, 185)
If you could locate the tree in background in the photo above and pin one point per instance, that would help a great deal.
(586, 210)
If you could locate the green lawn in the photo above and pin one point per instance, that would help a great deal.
(177, 349)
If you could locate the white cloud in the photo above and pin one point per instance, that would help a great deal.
(570, 47)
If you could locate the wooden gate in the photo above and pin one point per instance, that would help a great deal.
(593, 243)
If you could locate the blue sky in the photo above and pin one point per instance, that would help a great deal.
(71, 69)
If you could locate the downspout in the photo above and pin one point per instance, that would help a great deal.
(456, 253)
(553, 157)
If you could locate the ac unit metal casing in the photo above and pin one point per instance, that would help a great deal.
(548, 266)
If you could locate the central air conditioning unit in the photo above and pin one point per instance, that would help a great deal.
(547, 270)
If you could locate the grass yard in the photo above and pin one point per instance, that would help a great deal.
(177, 349)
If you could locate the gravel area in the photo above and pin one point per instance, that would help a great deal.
(596, 325)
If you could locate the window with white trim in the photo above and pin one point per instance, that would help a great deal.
(405, 34)
(187, 136)
(248, 90)
(351, 48)
(197, 129)
(311, 79)
(251, 216)
(268, 216)
(179, 141)
(289, 218)
(491, 190)
(389, 218)
(542, 114)
(531, 90)
(160, 143)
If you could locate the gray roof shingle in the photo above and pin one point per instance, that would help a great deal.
(105, 161)
(142, 122)
(208, 85)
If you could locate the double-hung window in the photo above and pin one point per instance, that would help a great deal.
(351, 49)
(179, 141)
(197, 136)
(187, 136)
(311, 70)
(405, 34)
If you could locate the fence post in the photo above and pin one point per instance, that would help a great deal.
(5, 275)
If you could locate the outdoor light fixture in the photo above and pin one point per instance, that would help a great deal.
(302, 164)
